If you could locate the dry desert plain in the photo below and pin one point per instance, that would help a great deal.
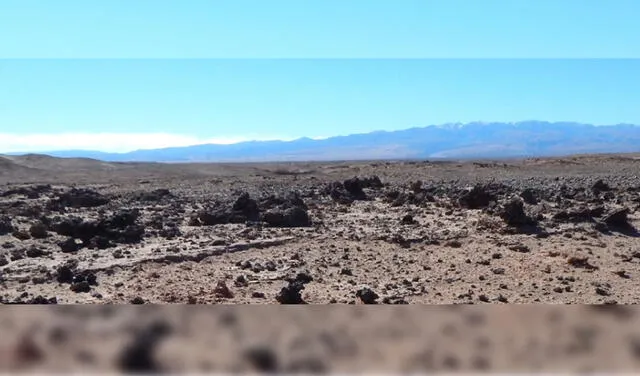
(544, 230)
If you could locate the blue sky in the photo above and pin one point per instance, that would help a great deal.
(320, 28)
(361, 65)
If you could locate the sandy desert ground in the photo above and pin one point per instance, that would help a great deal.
(549, 230)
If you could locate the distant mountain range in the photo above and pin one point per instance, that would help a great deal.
(451, 141)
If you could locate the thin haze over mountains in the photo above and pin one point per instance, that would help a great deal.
(472, 140)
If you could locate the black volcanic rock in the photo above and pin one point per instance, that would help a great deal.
(38, 231)
(122, 219)
(36, 300)
(32, 192)
(618, 219)
(6, 227)
(372, 182)
(64, 274)
(286, 201)
(514, 215)
(290, 294)
(247, 207)
(367, 296)
(600, 186)
(530, 196)
(79, 198)
(292, 217)
(121, 227)
(354, 187)
(351, 189)
(34, 251)
(244, 209)
(579, 215)
(210, 217)
(338, 193)
(80, 287)
(69, 246)
(476, 198)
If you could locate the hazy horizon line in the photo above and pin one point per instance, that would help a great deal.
(123, 143)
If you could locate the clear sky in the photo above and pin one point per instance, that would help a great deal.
(320, 28)
(179, 97)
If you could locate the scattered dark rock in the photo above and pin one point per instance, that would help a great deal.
(42, 300)
(346, 271)
(79, 198)
(476, 198)
(529, 196)
(64, 274)
(622, 274)
(69, 246)
(289, 200)
(243, 210)
(222, 290)
(241, 281)
(618, 219)
(35, 252)
(354, 187)
(32, 192)
(408, 220)
(38, 230)
(130, 235)
(580, 215)
(393, 300)
(301, 277)
(100, 242)
(247, 207)
(350, 190)
(6, 227)
(85, 276)
(17, 254)
(581, 262)
(372, 182)
(121, 219)
(520, 248)
(292, 217)
(21, 235)
(514, 215)
(137, 300)
(80, 287)
(290, 294)
(416, 186)
(454, 243)
(367, 296)
(121, 227)
(600, 186)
